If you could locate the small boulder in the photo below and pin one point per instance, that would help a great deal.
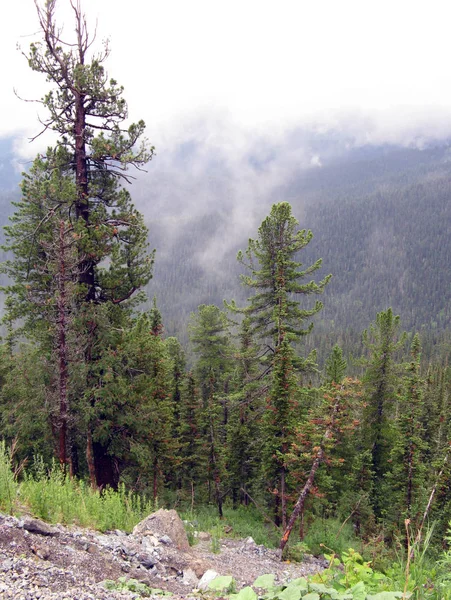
(206, 579)
(38, 526)
(164, 523)
(190, 578)
(147, 560)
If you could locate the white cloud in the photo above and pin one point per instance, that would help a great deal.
(267, 65)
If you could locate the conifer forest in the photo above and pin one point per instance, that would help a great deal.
(274, 390)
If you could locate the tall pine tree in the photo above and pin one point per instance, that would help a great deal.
(78, 183)
(277, 319)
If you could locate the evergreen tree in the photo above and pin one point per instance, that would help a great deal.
(244, 434)
(78, 183)
(134, 408)
(192, 460)
(211, 341)
(408, 473)
(383, 340)
(436, 437)
(336, 366)
(281, 417)
(27, 413)
(277, 319)
(328, 425)
(274, 310)
(156, 320)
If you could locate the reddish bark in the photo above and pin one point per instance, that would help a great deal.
(319, 457)
(63, 373)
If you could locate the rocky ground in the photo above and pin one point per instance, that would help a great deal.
(56, 562)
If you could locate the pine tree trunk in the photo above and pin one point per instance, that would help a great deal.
(62, 347)
(283, 498)
(90, 461)
(155, 480)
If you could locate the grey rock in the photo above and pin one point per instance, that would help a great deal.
(38, 526)
(149, 542)
(165, 539)
(190, 578)
(207, 578)
(7, 565)
(164, 523)
(147, 560)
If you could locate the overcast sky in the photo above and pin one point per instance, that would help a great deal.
(381, 67)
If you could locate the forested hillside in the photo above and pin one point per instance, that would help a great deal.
(380, 219)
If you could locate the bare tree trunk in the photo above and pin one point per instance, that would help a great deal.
(299, 506)
(283, 498)
(155, 479)
(62, 346)
(90, 461)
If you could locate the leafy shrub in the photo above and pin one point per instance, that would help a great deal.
(299, 589)
(133, 585)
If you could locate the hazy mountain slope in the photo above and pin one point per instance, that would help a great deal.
(380, 218)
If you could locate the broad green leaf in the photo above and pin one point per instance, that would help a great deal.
(358, 591)
(320, 588)
(300, 582)
(311, 596)
(247, 593)
(292, 592)
(223, 582)
(273, 592)
(264, 581)
(385, 596)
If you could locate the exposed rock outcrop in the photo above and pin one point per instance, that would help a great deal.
(56, 562)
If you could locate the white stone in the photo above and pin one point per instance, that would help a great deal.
(206, 578)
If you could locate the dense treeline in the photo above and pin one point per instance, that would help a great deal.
(88, 378)
(246, 423)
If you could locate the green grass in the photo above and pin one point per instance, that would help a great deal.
(245, 521)
(324, 535)
(8, 484)
(54, 497)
